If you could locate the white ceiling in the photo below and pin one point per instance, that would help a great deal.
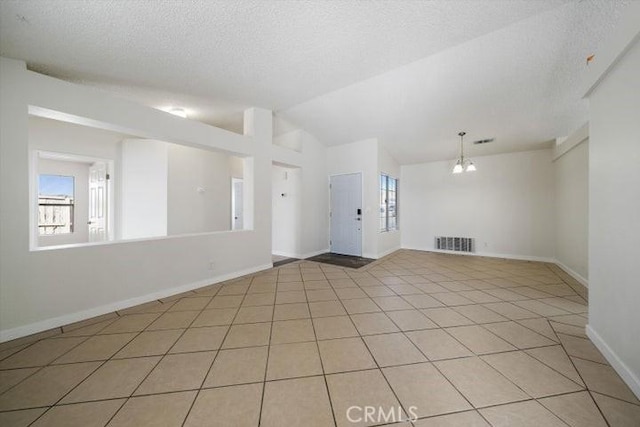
(412, 73)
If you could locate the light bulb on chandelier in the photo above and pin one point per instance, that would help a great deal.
(462, 164)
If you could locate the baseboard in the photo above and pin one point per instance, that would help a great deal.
(485, 254)
(616, 363)
(584, 282)
(285, 254)
(310, 254)
(56, 322)
(388, 252)
(300, 256)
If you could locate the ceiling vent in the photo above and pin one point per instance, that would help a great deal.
(483, 141)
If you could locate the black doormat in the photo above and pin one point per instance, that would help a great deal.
(285, 261)
(341, 260)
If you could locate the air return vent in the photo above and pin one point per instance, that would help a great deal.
(457, 244)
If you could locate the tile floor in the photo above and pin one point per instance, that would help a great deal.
(446, 340)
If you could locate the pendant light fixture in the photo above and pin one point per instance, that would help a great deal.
(462, 164)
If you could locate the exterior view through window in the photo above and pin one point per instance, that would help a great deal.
(388, 203)
(55, 204)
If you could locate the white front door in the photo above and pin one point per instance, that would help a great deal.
(346, 214)
(236, 204)
(98, 202)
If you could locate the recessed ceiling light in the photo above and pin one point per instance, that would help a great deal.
(484, 141)
(180, 112)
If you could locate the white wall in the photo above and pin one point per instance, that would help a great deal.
(507, 205)
(286, 218)
(37, 290)
(614, 204)
(80, 172)
(361, 157)
(199, 190)
(389, 241)
(144, 175)
(571, 176)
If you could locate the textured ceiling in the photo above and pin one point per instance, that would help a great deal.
(408, 72)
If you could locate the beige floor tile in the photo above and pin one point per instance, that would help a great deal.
(617, 412)
(150, 344)
(46, 386)
(479, 340)
(479, 382)
(360, 389)
(215, 317)
(479, 297)
(334, 327)
(451, 298)
(424, 388)
(291, 311)
(131, 323)
(524, 414)
(430, 288)
(346, 354)
(563, 328)
(393, 349)
(21, 418)
(90, 414)
(41, 353)
(321, 295)
(510, 311)
(532, 376)
(575, 409)
(603, 379)
(305, 399)
(237, 406)
(582, 348)
(540, 308)
(290, 331)
(238, 366)
(373, 323)
(293, 360)
(506, 294)
(288, 297)
(410, 320)
(540, 326)
(12, 377)
(479, 314)
(360, 305)
(517, 335)
(254, 300)
(422, 301)
(392, 303)
(189, 304)
(436, 344)
(317, 285)
(233, 289)
(228, 301)
(571, 319)
(252, 335)
(90, 329)
(177, 372)
(350, 293)
(163, 410)
(461, 419)
(173, 320)
(340, 283)
(378, 291)
(530, 292)
(254, 314)
(405, 289)
(326, 309)
(200, 339)
(114, 379)
(557, 359)
(99, 347)
(564, 304)
(446, 317)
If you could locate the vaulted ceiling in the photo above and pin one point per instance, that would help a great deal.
(411, 73)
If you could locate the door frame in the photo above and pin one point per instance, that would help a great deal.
(35, 156)
(361, 204)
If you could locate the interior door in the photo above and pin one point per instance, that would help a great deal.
(98, 202)
(236, 204)
(346, 214)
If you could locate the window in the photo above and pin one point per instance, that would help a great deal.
(388, 203)
(55, 204)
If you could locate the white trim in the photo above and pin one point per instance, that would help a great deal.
(388, 252)
(584, 282)
(617, 364)
(487, 254)
(44, 325)
(578, 137)
(301, 256)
